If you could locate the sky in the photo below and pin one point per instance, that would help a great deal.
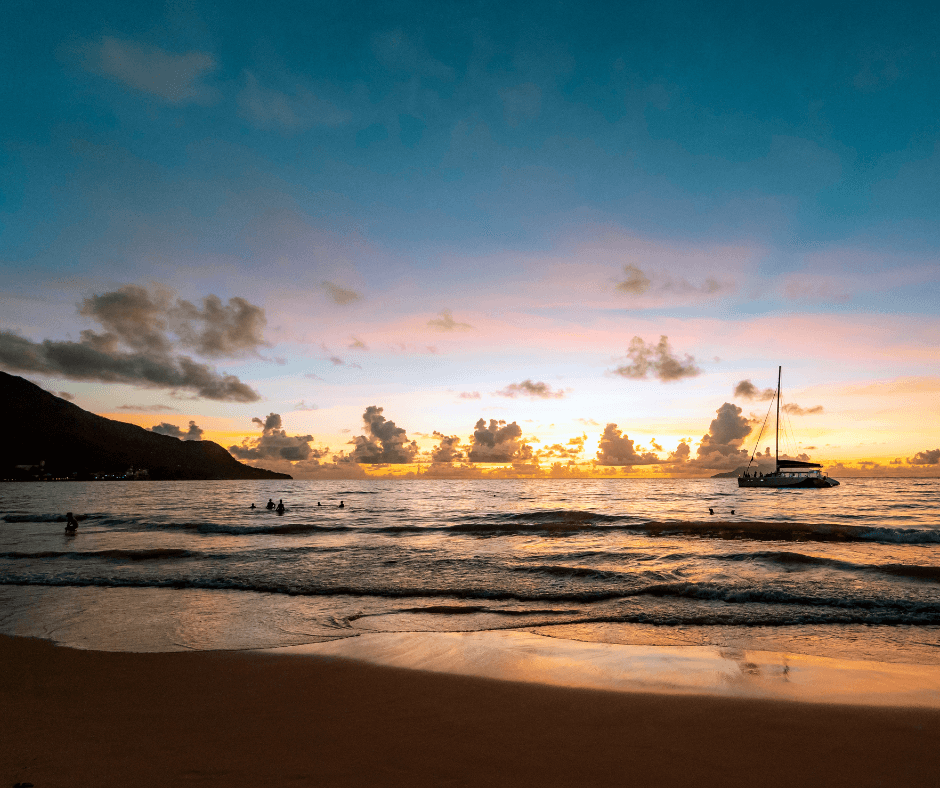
(462, 239)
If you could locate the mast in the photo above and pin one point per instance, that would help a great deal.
(777, 447)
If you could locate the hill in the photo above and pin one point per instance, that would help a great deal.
(73, 443)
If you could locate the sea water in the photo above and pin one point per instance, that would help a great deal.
(852, 571)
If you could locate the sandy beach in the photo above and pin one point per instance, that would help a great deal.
(87, 718)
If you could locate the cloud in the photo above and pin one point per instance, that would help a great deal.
(269, 108)
(469, 395)
(383, 442)
(135, 347)
(357, 344)
(637, 282)
(617, 449)
(928, 457)
(446, 322)
(657, 359)
(174, 77)
(589, 422)
(339, 295)
(570, 451)
(217, 330)
(275, 444)
(448, 448)
(304, 406)
(66, 395)
(747, 390)
(795, 410)
(92, 360)
(147, 408)
(720, 448)
(498, 442)
(194, 433)
(527, 388)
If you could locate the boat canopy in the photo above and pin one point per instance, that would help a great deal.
(797, 464)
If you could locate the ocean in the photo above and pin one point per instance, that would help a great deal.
(852, 572)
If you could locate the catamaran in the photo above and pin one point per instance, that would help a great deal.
(786, 473)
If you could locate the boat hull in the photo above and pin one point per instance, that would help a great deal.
(788, 482)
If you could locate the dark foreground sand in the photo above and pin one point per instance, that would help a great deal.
(83, 718)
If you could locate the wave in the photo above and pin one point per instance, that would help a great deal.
(153, 554)
(549, 522)
(704, 592)
(785, 558)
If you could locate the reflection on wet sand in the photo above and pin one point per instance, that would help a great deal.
(704, 670)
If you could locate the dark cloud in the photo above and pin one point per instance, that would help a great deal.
(720, 448)
(383, 442)
(928, 457)
(747, 390)
(217, 330)
(147, 408)
(618, 449)
(568, 451)
(276, 444)
(136, 347)
(681, 454)
(637, 282)
(528, 388)
(66, 395)
(340, 295)
(498, 442)
(95, 359)
(795, 410)
(194, 433)
(469, 395)
(658, 360)
(448, 449)
(446, 322)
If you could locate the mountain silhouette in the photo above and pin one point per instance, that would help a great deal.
(73, 443)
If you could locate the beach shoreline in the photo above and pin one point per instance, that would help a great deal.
(215, 718)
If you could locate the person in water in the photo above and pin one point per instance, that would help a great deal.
(71, 524)
(342, 505)
(280, 506)
(253, 506)
(710, 510)
(270, 504)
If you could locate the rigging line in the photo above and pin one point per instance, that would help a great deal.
(757, 442)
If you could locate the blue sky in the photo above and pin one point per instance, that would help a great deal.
(512, 163)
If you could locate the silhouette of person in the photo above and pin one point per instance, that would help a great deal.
(732, 511)
(342, 505)
(710, 510)
(318, 503)
(253, 506)
(270, 504)
(71, 524)
(280, 506)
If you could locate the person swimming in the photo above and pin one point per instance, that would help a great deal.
(319, 504)
(280, 506)
(270, 504)
(253, 506)
(710, 510)
(71, 524)
(342, 505)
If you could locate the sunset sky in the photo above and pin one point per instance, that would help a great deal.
(299, 214)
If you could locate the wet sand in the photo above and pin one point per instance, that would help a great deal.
(87, 718)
